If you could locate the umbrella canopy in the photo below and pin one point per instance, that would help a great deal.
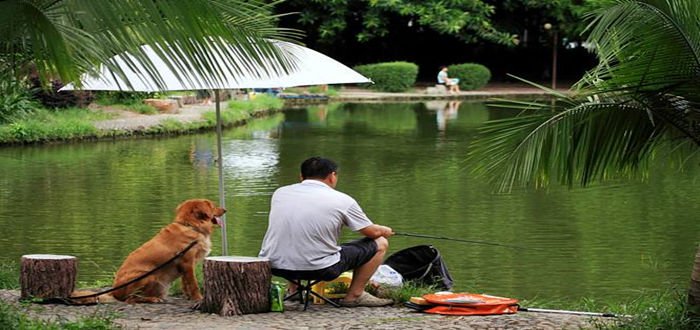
(308, 67)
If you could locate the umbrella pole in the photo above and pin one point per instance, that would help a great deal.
(220, 164)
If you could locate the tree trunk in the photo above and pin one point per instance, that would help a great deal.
(47, 276)
(236, 285)
(694, 292)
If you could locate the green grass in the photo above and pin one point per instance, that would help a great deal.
(261, 101)
(239, 111)
(404, 293)
(9, 276)
(11, 317)
(649, 310)
(48, 125)
(128, 101)
(141, 108)
(332, 91)
(653, 310)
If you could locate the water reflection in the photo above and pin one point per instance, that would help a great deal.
(444, 111)
(250, 158)
(202, 154)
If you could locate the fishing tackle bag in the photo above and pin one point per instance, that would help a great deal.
(468, 304)
(422, 264)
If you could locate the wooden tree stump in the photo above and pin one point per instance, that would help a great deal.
(236, 285)
(47, 276)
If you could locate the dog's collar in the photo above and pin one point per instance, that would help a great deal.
(191, 227)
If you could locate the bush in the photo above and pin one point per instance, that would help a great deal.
(51, 98)
(15, 100)
(390, 76)
(129, 98)
(471, 75)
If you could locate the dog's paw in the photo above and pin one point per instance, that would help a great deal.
(197, 305)
(146, 300)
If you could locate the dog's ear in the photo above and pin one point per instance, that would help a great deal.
(199, 211)
(201, 215)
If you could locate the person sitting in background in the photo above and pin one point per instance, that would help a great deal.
(451, 83)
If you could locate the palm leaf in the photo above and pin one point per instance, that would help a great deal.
(639, 103)
(68, 37)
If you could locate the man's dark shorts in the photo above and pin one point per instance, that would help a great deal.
(352, 255)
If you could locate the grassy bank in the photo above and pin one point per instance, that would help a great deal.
(666, 309)
(76, 124)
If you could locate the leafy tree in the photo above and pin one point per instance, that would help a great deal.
(370, 19)
(469, 21)
(565, 15)
(64, 38)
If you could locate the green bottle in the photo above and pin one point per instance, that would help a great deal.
(276, 297)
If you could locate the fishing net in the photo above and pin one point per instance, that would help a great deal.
(422, 264)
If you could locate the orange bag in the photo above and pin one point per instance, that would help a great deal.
(470, 304)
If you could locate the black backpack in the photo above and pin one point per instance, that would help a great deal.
(422, 264)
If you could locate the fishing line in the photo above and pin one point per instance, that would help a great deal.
(462, 240)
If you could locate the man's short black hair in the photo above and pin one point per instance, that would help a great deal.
(317, 168)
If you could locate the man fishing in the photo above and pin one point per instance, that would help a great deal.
(305, 223)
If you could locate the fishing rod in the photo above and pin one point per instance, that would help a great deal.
(560, 311)
(459, 240)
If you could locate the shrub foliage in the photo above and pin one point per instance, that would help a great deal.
(51, 98)
(15, 100)
(471, 75)
(390, 76)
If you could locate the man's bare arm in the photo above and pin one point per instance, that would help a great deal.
(374, 231)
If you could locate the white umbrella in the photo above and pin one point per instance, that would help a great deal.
(309, 67)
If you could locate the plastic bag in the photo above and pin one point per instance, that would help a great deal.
(387, 276)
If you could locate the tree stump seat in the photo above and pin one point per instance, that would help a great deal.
(47, 276)
(235, 285)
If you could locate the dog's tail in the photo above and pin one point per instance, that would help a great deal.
(85, 297)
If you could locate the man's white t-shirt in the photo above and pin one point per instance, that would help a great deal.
(305, 223)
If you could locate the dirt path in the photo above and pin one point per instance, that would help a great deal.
(131, 121)
(176, 314)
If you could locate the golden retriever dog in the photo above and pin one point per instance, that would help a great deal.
(194, 221)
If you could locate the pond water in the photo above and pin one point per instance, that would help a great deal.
(404, 163)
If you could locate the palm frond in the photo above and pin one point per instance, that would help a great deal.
(639, 103)
(578, 145)
(68, 37)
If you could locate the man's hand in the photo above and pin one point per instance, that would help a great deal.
(374, 231)
(388, 232)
